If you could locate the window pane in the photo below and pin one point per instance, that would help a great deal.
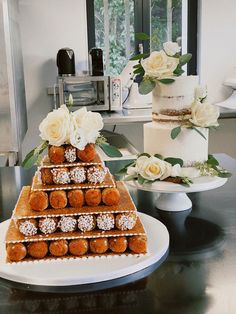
(114, 32)
(168, 19)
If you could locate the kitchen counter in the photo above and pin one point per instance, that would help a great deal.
(197, 277)
(126, 116)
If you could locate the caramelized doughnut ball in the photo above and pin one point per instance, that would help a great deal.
(38, 249)
(78, 247)
(87, 154)
(118, 244)
(56, 154)
(78, 174)
(46, 176)
(111, 196)
(61, 175)
(96, 174)
(28, 227)
(105, 221)
(93, 197)
(76, 198)
(67, 224)
(16, 251)
(38, 200)
(58, 199)
(86, 222)
(58, 247)
(70, 153)
(48, 225)
(98, 245)
(138, 244)
(126, 221)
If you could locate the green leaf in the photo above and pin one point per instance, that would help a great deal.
(224, 174)
(146, 86)
(144, 154)
(124, 169)
(174, 161)
(138, 70)
(212, 160)
(142, 36)
(158, 156)
(137, 66)
(178, 71)
(131, 177)
(110, 150)
(199, 132)
(175, 132)
(141, 180)
(185, 59)
(166, 81)
(30, 160)
(139, 56)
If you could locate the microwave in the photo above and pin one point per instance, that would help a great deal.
(97, 93)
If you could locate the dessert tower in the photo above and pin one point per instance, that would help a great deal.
(73, 209)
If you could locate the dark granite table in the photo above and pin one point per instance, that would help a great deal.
(198, 276)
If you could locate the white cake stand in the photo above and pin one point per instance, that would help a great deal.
(173, 196)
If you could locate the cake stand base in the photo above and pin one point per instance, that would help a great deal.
(173, 202)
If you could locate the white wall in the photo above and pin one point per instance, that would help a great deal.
(217, 45)
(47, 26)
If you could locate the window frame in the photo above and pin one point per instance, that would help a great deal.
(142, 24)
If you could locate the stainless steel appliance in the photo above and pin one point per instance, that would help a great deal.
(98, 93)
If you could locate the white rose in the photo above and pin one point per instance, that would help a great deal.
(152, 168)
(204, 114)
(200, 92)
(189, 172)
(131, 171)
(55, 128)
(159, 65)
(78, 115)
(92, 121)
(171, 48)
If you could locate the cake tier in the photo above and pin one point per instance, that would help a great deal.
(177, 96)
(22, 209)
(189, 145)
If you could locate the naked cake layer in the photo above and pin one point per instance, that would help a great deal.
(23, 210)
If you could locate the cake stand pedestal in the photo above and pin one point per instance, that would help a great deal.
(173, 197)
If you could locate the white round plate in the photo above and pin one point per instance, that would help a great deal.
(85, 271)
(198, 185)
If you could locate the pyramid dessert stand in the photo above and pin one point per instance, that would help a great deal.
(173, 197)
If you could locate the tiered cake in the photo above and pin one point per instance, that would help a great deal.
(73, 209)
(171, 106)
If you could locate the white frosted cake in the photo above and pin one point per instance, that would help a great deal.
(171, 107)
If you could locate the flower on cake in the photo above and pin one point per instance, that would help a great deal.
(204, 114)
(55, 128)
(147, 169)
(160, 66)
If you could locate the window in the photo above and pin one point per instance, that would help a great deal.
(112, 25)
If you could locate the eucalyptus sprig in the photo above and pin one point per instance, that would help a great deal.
(34, 156)
(108, 149)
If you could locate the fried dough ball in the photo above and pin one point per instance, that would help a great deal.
(126, 221)
(46, 176)
(93, 197)
(16, 251)
(48, 225)
(76, 198)
(58, 247)
(70, 153)
(67, 224)
(138, 244)
(111, 196)
(98, 245)
(105, 221)
(58, 199)
(38, 200)
(28, 227)
(38, 249)
(118, 244)
(56, 154)
(96, 174)
(86, 222)
(61, 175)
(87, 154)
(78, 174)
(78, 247)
